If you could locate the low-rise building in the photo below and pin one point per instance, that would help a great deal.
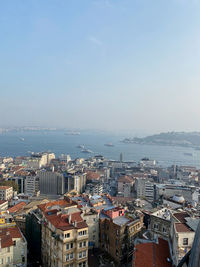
(6, 192)
(182, 234)
(3, 205)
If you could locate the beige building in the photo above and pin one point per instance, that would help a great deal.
(182, 235)
(64, 235)
(12, 243)
(6, 192)
(3, 205)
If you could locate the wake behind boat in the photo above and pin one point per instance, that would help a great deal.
(86, 150)
(109, 144)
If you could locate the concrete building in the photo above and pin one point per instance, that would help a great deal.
(117, 233)
(125, 186)
(64, 235)
(145, 189)
(51, 183)
(94, 189)
(13, 243)
(159, 224)
(6, 192)
(32, 185)
(182, 234)
(91, 217)
(3, 205)
(76, 181)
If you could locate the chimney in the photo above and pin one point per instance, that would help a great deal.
(70, 218)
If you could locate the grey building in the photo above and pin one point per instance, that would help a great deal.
(51, 183)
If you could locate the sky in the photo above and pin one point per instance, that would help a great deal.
(100, 64)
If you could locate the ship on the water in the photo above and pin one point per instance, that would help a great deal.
(81, 146)
(109, 144)
(72, 133)
(85, 150)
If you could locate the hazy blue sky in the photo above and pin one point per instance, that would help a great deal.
(108, 64)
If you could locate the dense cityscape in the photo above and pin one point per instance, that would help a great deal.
(95, 211)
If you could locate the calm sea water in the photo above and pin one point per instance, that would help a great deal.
(59, 143)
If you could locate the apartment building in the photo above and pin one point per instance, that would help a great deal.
(6, 192)
(117, 233)
(76, 181)
(32, 185)
(64, 235)
(12, 242)
(3, 205)
(182, 234)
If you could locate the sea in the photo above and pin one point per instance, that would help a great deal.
(22, 143)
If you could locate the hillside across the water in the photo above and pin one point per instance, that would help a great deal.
(186, 139)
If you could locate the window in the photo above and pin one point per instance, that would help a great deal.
(69, 256)
(82, 264)
(69, 265)
(8, 249)
(67, 235)
(155, 226)
(185, 241)
(164, 230)
(69, 246)
(14, 242)
(82, 254)
(82, 233)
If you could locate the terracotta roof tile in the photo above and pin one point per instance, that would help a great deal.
(181, 227)
(152, 254)
(17, 207)
(7, 234)
(180, 216)
(125, 179)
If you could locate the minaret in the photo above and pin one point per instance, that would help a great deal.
(121, 157)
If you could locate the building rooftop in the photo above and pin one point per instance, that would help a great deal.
(7, 234)
(152, 254)
(121, 220)
(17, 207)
(182, 228)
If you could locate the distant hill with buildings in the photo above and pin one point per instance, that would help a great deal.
(186, 139)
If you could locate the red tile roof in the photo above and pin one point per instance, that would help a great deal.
(180, 216)
(92, 175)
(182, 228)
(7, 234)
(152, 254)
(3, 201)
(60, 202)
(61, 221)
(4, 187)
(125, 179)
(17, 207)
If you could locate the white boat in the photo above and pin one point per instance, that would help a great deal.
(21, 138)
(108, 144)
(86, 150)
(81, 146)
